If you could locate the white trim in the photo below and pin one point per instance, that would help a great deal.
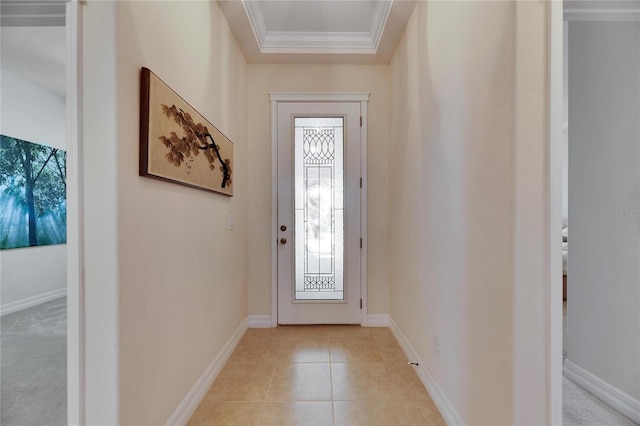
(364, 253)
(29, 302)
(620, 401)
(285, 41)
(376, 320)
(317, 42)
(75, 221)
(448, 412)
(190, 403)
(602, 15)
(379, 22)
(274, 98)
(610, 10)
(318, 97)
(21, 13)
(260, 321)
(274, 212)
(554, 215)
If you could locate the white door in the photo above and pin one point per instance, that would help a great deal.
(318, 220)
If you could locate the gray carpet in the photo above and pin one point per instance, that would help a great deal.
(579, 407)
(33, 366)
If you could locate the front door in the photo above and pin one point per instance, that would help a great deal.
(318, 218)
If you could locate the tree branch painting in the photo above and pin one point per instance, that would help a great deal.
(196, 138)
(179, 145)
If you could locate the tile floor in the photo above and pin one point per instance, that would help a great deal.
(317, 375)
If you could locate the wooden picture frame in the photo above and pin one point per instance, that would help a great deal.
(179, 145)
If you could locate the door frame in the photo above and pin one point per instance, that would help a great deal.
(75, 234)
(558, 15)
(308, 97)
(554, 213)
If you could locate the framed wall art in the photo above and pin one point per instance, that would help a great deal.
(179, 145)
(33, 194)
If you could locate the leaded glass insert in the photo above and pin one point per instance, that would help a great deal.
(319, 208)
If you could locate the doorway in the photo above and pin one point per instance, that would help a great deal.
(318, 228)
(46, 82)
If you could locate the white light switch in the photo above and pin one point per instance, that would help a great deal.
(232, 222)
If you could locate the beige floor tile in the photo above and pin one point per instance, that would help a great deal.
(256, 342)
(423, 413)
(361, 381)
(338, 332)
(297, 414)
(382, 334)
(369, 413)
(296, 350)
(407, 382)
(241, 383)
(354, 350)
(307, 332)
(264, 333)
(410, 389)
(390, 351)
(314, 375)
(256, 351)
(226, 413)
(300, 382)
(400, 368)
(241, 368)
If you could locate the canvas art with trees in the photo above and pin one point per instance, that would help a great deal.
(33, 185)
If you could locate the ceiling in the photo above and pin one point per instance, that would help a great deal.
(318, 31)
(33, 41)
(37, 54)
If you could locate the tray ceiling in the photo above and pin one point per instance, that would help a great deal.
(318, 31)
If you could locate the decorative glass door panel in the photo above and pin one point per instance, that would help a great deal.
(319, 208)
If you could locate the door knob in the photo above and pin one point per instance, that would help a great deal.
(283, 241)
(283, 228)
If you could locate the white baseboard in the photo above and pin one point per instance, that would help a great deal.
(376, 320)
(190, 403)
(32, 301)
(615, 398)
(448, 412)
(260, 321)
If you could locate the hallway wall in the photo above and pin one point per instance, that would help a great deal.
(166, 280)
(266, 78)
(467, 110)
(34, 114)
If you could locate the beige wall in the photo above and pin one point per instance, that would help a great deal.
(177, 275)
(264, 79)
(454, 257)
(456, 147)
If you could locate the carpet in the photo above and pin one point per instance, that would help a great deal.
(33, 366)
(579, 407)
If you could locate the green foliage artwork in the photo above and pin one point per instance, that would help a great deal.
(33, 187)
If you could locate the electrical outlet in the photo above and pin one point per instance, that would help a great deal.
(436, 343)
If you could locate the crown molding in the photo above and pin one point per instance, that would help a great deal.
(29, 13)
(595, 10)
(317, 42)
(375, 42)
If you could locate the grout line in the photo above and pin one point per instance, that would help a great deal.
(333, 408)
